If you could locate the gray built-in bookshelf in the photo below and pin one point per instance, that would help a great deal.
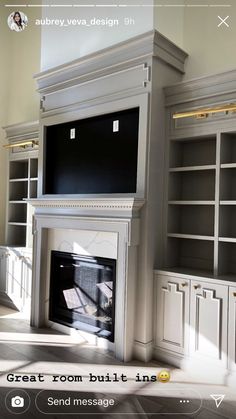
(22, 182)
(201, 226)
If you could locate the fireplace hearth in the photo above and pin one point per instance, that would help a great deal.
(82, 293)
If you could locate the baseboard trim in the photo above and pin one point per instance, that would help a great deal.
(231, 379)
(172, 358)
(143, 351)
(6, 301)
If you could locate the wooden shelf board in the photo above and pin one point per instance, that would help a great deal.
(192, 168)
(190, 236)
(23, 179)
(228, 165)
(227, 239)
(16, 223)
(228, 202)
(191, 202)
(227, 277)
(17, 202)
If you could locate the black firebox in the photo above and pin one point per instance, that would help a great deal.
(82, 293)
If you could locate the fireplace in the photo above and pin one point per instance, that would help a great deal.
(82, 293)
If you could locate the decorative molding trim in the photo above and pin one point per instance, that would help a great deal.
(25, 130)
(201, 88)
(80, 90)
(172, 358)
(95, 207)
(114, 58)
(133, 205)
(211, 278)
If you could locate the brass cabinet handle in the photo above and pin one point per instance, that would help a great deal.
(196, 286)
(184, 284)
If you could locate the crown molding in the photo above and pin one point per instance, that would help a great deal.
(207, 87)
(22, 131)
(112, 59)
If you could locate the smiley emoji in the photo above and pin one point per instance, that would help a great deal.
(164, 376)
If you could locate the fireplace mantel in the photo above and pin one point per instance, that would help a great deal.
(110, 207)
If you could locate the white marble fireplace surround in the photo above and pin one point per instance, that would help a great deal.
(124, 76)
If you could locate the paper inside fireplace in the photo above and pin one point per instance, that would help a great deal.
(75, 299)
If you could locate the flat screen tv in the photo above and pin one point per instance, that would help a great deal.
(95, 155)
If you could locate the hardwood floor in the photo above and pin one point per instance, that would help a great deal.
(28, 351)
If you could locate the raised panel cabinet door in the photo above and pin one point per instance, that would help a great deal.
(232, 328)
(15, 280)
(172, 313)
(208, 322)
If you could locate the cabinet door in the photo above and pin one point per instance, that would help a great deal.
(14, 278)
(232, 328)
(208, 322)
(172, 313)
(18, 279)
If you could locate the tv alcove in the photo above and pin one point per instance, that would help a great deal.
(93, 155)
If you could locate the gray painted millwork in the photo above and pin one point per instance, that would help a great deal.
(132, 73)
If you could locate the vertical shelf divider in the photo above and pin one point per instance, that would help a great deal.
(217, 204)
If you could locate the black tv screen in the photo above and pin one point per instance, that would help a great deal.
(95, 155)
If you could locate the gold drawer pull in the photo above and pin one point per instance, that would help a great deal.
(196, 286)
(184, 284)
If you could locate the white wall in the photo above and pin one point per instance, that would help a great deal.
(170, 20)
(211, 48)
(62, 44)
(4, 80)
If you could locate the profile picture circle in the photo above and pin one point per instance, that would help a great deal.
(17, 21)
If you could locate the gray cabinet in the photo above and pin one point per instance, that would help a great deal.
(195, 322)
(16, 278)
